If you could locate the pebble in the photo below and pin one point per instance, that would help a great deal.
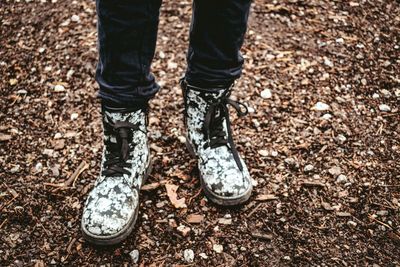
(218, 248)
(75, 18)
(320, 106)
(308, 168)
(384, 108)
(134, 255)
(375, 96)
(57, 136)
(266, 94)
(397, 92)
(38, 166)
(188, 255)
(182, 139)
(15, 169)
(335, 171)
(351, 223)
(203, 255)
(341, 138)
(74, 116)
(183, 229)
(274, 153)
(328, 62)
(327, 116)
(59, 88)
(341, 178)
(263, 152)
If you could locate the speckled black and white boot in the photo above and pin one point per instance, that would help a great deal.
(224, 176)
(111, 208)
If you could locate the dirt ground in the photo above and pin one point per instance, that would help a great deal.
(322, 80)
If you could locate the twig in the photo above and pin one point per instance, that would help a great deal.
(71, 180)
(193, 197)
(1, 225)
(254, 210)
(380, 222)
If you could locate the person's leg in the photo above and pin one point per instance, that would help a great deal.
(127, 33)
(214, 62)
(216, 36)
(127, 39)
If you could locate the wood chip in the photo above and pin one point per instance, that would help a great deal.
(173, 196)
(266, 197)
(195, 218)
(5, 137)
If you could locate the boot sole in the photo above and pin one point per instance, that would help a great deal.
(220, 200)
(126, 231)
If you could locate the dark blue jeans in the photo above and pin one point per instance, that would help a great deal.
(127, 32)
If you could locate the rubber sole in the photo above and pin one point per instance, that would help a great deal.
(125, 232)
(217, 199)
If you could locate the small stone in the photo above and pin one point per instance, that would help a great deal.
(39, 167)
(340, 40)
(375, 96)
(266, 94)
(203, 255)
(384, 108)
(188, 255)
(59, 88)
(397, 93)
(41, 50)
(335, 171)
(263, 152)
(328, 62)
(341, 138)
(327, 116)
(308, 168)
(15, 169)
(320, 106)
(184, 230)
(57, 136)
(74, 116)
(75, 18)
(352, 224)
(386, 93)
(134, 255)
(13, 82)
(218, 248)
(341, 178)
(182, 139)
(364, 82)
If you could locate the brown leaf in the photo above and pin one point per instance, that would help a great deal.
(195, 218)
(173, 197)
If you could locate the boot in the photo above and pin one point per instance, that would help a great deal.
(224, 176)
(111, 208)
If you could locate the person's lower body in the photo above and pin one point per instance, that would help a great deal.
(127, 33)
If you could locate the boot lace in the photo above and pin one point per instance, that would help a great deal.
(213, 128)
(115, 163)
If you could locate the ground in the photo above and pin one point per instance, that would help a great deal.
(322, 140)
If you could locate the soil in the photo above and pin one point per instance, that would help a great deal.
(327, 181)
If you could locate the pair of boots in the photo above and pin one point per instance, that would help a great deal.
(111, 208)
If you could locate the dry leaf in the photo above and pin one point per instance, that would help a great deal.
(173, 197)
